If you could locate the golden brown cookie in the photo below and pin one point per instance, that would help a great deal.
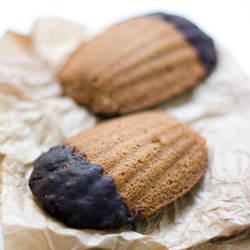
(138, 64)
(119, 172)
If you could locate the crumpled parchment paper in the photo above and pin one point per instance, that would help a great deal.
(35, 115)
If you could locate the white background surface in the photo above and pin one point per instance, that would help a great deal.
(227, 21)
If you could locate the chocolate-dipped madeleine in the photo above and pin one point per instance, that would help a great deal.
(120, 171)
(137, 64)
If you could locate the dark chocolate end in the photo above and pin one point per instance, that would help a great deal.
(75, 191)
(203, 44)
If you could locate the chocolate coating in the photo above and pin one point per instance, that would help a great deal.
(75, 191)
(203, 44)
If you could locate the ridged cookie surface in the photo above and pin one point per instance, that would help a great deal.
(138, 64)
(119, 172)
